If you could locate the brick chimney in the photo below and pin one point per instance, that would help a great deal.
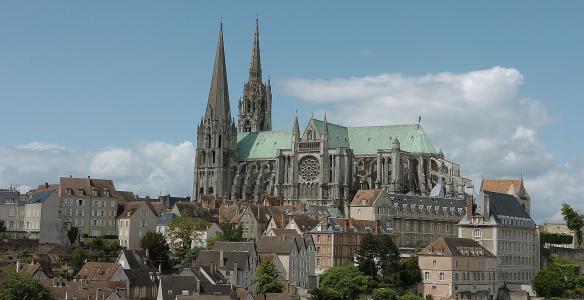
(469, 205)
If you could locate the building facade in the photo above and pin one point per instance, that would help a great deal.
(138, 218)
(455, 268)
(416, 220)
(500, 223)
(322, 164)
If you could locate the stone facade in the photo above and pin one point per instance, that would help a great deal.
(500, 223)
(325, 164)
(454, 268)
(417, 220)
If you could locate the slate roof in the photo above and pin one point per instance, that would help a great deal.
(177, 284)
(165, 219)
(131, 207)
(451, 246)
(136, 259)
(40, 197)
(304, 223)
(230, 258)
(366, 197)
(505, 205)
(169, 200)
(194, 210)
(276, 244)
(140, 277)
(556, 219)
(95, 271)
(234, 246)
(284, 232)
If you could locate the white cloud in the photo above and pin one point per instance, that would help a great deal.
(147, 168)
(478, 118)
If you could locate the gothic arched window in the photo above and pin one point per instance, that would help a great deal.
(208, 141)
(219, 142)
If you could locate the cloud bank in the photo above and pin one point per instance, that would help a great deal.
(479, 119)
(146, 168)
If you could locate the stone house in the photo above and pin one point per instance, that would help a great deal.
(296, 254)
(500, 223)
(457, 268)
(12, 212)
(141, 283)
(138, 218)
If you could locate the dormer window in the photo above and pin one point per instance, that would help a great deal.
(69, 191)
(107, 193)
(81, 192)
(95, 193)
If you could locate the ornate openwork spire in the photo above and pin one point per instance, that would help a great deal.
(255, 68)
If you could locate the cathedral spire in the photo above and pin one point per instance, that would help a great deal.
(325, 126)
(255, 68)
(296, 128)
(218, 102)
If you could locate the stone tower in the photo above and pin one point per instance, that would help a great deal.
(255, 106)
(216, 135)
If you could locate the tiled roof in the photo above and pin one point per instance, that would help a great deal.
(136, 259)
(97, 271)
(501, 185)
(40, 197)
(304, 223)
(451, 246)
(165, 219)
(284, 232)
(365, 197)
(234, 246)
(177, 284)
(230, 258)
(140, 277)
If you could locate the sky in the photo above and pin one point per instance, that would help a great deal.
(114, 89)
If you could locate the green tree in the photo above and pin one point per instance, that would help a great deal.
(17, 286)
(366, 254)
(72, 234)
(549, 283)
(345, 282)
(180, 234)
(157, 247)
(266, 280)
(574, 221)
(231, 233)
(78, 259)
(410, 272)
(560, 279)
(410, 296)
(384, 294)
(191, 255)
(378, 257)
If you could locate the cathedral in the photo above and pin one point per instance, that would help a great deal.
(321, 164)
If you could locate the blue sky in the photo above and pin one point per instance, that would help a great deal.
(110, 74)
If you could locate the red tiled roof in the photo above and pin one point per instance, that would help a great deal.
(365, 197)
(501, 185)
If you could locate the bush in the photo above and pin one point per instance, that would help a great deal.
(384, 294)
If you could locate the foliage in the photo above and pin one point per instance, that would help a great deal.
(72, 234)
(410, 273)
(561, 278)
(266, 280)
(574, 221)
(344, 282)
(231, 233)
(555, 238)
(181, 233)
(191, 255)
(384, 294)
(157, 247)
(410, 296)
(66, 273)
(104, 247)
(16, 286)
(378, 257)
(78, 259)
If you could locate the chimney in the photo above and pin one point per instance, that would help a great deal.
(469, 205)
(221, 262)
(17, 265)
(487, 207)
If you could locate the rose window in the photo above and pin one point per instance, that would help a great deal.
(308, 167)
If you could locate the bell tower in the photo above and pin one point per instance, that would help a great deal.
(216, 135)
(255, 106)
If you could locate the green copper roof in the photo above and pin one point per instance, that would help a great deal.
(338, 135)
(263, 144)
(412, 138)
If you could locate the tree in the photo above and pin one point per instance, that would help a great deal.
(345, 282)
(574, 221)
(231, 233)
(266, 280)
(378, 257)
(366, 254)
(16, 286)
(181, 233)
(560, 279)
(410, 272)
(549, 283)
(549, 238)
(72, 234)
(78, 259)
(157, 247)
(384, 294)
(410, 296)
(191, 256)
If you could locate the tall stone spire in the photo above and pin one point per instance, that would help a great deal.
(255, 68)
(218, 102)
(296, 127)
